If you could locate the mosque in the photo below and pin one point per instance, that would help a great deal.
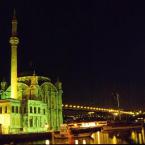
(31, 103)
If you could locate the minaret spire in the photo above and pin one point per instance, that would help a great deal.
(14, 41)
(14, 13)
(14, 24)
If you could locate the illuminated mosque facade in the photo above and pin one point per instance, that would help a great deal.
(31, 103)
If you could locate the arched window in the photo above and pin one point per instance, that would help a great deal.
(31, 111)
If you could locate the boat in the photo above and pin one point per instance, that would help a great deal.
(84, 131)
(115, 126)
(59, 135)
(75, 132)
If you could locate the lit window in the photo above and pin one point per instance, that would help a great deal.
(13, 109)
(31, 122)
(31, 110)
(34, 109)
(35, 121)
(39, 110)
(6, 109)
(17, 109)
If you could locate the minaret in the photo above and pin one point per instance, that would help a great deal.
(14, 41)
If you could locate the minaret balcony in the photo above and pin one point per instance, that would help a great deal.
(14, 40)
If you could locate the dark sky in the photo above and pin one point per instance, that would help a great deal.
(94, 47)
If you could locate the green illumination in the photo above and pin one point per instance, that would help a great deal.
(30, 103)
(37, 109)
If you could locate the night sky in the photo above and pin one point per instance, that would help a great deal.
(94, 47)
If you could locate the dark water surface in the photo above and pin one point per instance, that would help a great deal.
(120, 137)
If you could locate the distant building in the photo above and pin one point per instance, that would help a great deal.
(31, 103)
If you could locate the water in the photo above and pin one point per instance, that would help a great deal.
(123, 137)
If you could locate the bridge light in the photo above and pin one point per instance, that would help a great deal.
(116, 114)
(140, 111)
(78, 106)
(74, 106)
(66, 105)
(81, 106)
(62, 105)
(70, 105)
(91, 113)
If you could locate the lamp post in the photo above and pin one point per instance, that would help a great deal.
(118, 104)
(116, 95)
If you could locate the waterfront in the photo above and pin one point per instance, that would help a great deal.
(120, 137)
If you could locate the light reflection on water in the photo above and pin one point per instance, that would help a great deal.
(125, 137)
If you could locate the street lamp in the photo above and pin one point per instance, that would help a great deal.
(118, 104)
